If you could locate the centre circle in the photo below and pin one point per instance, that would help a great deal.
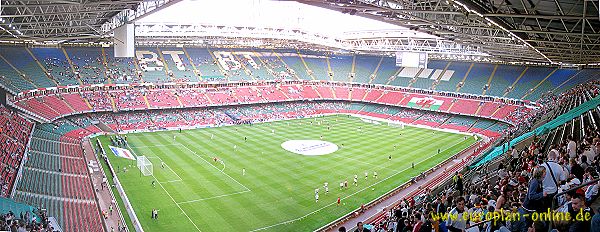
(309, 147)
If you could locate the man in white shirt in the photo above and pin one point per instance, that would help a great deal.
(515, 153)
(554, 175)
(572, 148)
(456, 221)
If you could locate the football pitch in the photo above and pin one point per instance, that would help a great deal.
(193, 192)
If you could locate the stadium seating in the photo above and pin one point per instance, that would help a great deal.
(341, 93)
(97, 66)
(510, 173)
(149, 75)
(13, 80)
(477, 78)
(206, 64)
(192, 97)
(464, 106)
(64, 103)
(558, 77)
(20, 58)
(89, 64)
(55, 173)
(458, 122)
(178, 65)
(461, 69)
(391, 97)
(385, 73)
(364, 67)
(273, 65)
(294, 63)
(530, 79)
(14, 137)
(481, 125)
(129, 100)
(162, 99)
(99, 100)
(373, 95)
(341, 66)
(582, 76)
(76, 102)
(316, 64)
(55, 177)
(38, 105)
(121, 70)
(56, 64)
(404, 77)
(504, 77)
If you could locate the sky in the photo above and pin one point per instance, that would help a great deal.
(265, 13)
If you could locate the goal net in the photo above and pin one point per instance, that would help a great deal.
(396, 124)
(144, 165)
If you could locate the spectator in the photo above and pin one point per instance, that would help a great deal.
(555, 174)
(578, 206)
(360, 228)
(456, 222)
(534, 199)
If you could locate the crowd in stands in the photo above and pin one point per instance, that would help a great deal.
(89, 69)
(25, 222)
(410, 113)
(14, 136)
(552, 103)
(56, 66)
(433, 117)
(531, 178)
(122, 70)
(194, 117)
(141, 98)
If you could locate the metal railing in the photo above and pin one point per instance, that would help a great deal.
(567, 191)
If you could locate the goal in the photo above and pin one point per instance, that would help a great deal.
(144, 165)
(396, 124)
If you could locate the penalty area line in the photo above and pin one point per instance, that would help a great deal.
(169, 167)
(172, 199)
(220, 170)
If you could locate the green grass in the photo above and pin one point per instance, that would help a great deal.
(277, 193)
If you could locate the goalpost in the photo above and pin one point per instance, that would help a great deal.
(144, 165)
(396, 124)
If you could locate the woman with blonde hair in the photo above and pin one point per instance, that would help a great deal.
(535, 193)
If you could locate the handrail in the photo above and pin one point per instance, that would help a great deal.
(552, 124)
(567, 191)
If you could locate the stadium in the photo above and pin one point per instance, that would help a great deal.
(307, 115)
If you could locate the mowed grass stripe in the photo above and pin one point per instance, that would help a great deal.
(282, 182)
